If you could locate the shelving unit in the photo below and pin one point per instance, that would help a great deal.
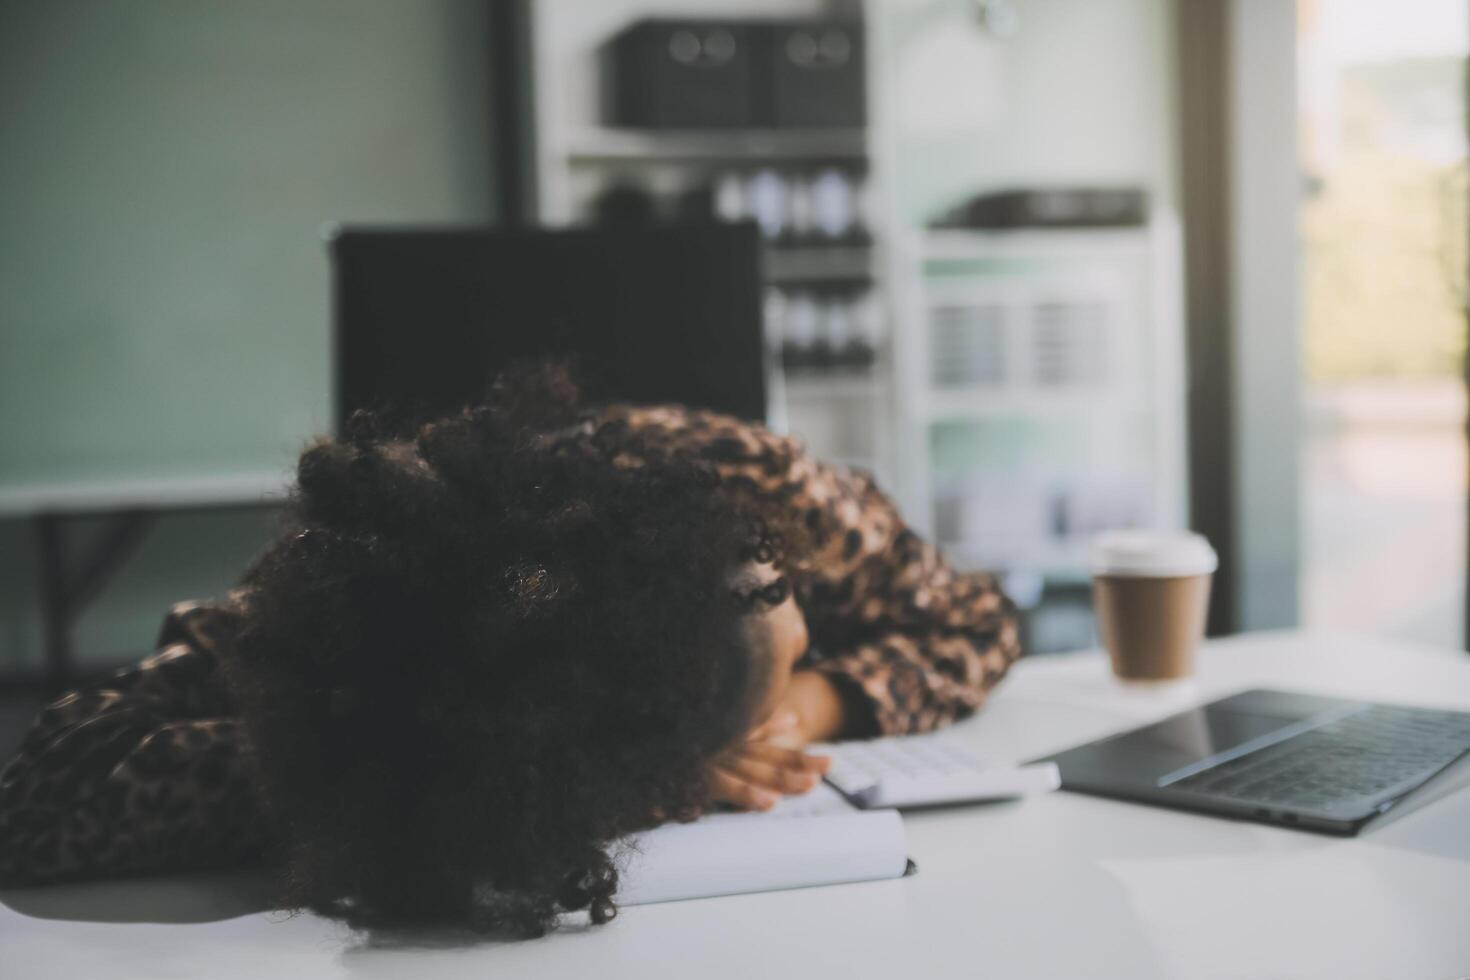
(595, 145)
(997, 429)
(843, 413)
(1042, 379)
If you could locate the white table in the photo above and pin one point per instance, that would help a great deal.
(69, 576)
(1059, 886)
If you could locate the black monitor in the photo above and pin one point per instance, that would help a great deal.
(425, 317)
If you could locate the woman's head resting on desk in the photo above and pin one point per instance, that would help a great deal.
(477, 657)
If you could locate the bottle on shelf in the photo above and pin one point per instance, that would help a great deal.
(768, 199)
(836, 218)
(794, 208)
(824, 330)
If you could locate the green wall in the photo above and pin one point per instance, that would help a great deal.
(166, 168)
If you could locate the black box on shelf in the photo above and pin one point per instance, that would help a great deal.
(1056, 207)
(684, 74)
(813, 74)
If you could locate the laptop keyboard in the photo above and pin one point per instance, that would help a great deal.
(1354, 758)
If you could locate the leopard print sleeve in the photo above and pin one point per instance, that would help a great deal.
(910, 643)
(139, 774)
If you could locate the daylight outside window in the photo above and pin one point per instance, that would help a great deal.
(1383, 226)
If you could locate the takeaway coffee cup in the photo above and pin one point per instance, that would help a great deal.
(1150, 590)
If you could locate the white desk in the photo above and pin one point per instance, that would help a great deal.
(1060, 886)
(70, 577)
(183, 492)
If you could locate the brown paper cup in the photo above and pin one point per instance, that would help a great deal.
(1150, 592)
(1151, 626)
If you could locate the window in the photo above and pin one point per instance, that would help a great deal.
(1383, 230)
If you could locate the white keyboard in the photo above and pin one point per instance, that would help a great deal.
(926, 770)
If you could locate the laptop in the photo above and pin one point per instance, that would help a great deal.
(1298, 760)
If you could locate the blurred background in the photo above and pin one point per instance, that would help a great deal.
(1044, 267)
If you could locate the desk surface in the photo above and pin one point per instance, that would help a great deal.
(1061, 885)
(249, 487)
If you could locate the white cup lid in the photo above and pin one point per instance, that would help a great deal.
(1151, 553)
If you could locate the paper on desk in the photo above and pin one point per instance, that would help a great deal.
(1342, 909)
(814, 839)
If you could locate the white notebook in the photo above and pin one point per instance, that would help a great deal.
(821, 837)
(813, 839)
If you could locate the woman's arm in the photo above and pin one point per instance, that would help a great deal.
(139, 774)
(901, 642)
(908, 643)
(919, 672)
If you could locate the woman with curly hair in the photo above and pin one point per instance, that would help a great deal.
(482, 652)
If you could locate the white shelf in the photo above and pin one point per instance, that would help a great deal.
(156, 493)
(963, 244)
(609, 145)
(818, 263)
(846, 415)
(836, 385)
(939, 405)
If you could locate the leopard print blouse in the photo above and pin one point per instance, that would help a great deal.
(143, 773)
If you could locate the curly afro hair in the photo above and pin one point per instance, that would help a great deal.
(478, 656)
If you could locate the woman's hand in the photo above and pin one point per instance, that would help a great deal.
(770, 763)
(818, 707)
